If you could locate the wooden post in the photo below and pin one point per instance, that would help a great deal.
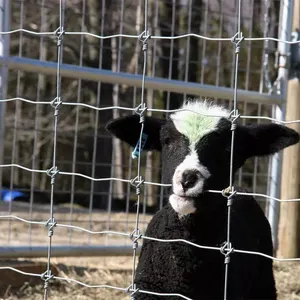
(289, 221)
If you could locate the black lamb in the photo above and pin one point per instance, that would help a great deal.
(195, 148)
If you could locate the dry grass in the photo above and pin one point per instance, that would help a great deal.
(287, 275)
(111, 271)
(114, 271)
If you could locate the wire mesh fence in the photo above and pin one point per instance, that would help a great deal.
(56, 151)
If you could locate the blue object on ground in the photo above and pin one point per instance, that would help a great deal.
(8, 195)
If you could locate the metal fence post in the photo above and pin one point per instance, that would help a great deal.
(284, 33)
(4, 52)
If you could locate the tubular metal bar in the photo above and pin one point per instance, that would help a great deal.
(65, 251)
(176, 86)
(4, 53)
(284, 32)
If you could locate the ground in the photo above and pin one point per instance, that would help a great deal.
(114, 271)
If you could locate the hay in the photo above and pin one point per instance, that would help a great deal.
(115, 271)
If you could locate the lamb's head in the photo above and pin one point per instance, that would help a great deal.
(196, 143)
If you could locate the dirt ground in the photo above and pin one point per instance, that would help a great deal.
(113, 271)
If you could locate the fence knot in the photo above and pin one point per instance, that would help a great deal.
(226, 251)
(52, 172)
(59, 33)
(132, 290)
(137, 182)
(135, 235)
(237, 39)
(144, 37)
(128, 289)
(46, 277)
(234, 116)
(229, 193)
(140, 110)
(56, 102)
(50, 224)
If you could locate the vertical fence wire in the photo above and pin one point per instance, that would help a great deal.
(56, 103)
(140, 110)
(238, 38)
(135, 61)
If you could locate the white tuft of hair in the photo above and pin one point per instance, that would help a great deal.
(197, 118)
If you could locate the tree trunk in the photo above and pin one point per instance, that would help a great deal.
(150, 192)
(117, 145)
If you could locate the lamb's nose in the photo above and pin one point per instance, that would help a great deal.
(189, 179)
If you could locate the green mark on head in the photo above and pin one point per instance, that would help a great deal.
(201, 121)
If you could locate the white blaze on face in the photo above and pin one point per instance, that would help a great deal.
(193, 125)
(191, 162)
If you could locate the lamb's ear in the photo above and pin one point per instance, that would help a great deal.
(266, 139)
(128, 129)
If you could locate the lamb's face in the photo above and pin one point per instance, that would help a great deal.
(195, 155)
(196, 145)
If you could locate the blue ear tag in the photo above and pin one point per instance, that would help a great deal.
(135, 152)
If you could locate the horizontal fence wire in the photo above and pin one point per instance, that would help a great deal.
(148, 109)
(141, 236)
(218, 39)
(135, 235)
(132, 181)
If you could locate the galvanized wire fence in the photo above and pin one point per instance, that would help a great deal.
(85, 124)
(136, 175)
